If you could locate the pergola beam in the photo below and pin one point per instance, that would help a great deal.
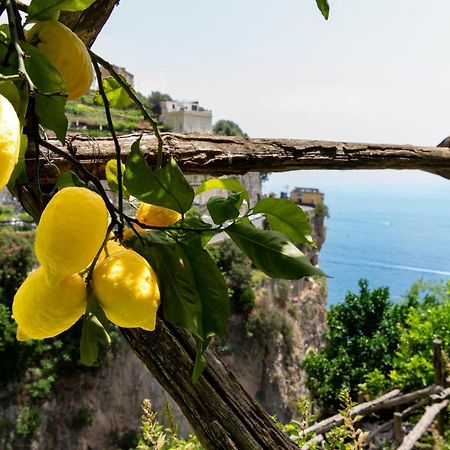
(217, 155)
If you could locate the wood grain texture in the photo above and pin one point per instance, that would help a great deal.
(218, 155)
(222, 413)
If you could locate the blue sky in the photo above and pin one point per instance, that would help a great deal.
(377, 71)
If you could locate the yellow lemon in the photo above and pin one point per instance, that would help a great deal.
(157, 216)
(9, 140)
(70, 233)
(126, 287)
(66, 52)
(42, 311)
(110, 248)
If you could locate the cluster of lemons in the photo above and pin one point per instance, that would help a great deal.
(74, 225)
(70, 233)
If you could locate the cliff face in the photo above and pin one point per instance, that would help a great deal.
(265, 350)
(101, 409)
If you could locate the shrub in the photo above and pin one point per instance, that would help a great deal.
(363, 335)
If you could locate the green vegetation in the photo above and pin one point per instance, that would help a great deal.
(374, 344)
(228, 128)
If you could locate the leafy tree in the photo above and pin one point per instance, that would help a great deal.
(228, 128)
(154, 101)
(363, 335)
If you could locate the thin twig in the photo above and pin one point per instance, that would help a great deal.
(116, 144)
(89, 176)
(109, 67)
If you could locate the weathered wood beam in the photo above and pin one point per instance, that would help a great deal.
(216, 155)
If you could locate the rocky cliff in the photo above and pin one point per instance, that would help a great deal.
(101, 409)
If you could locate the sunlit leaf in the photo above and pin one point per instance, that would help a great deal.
(111, 177)
(166, 187)
(40, 10)
(229, 184)
(286, 217)
(272, 253)
(115, 93)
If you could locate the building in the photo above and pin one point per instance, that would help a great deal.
(306, 196)
(186, 117)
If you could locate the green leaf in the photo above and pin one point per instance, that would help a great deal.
(93, 333)
(52, 95)
(181, 303)
(324, 8)
(68, 179)
(166, 187)
(200, 361)
(286, 217)
(115, 93)
(111, 177)
(40, 10)
(272, 253)
(210, 285)
(229, 184)
(222, 209)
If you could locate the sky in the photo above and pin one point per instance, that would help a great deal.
(377, 71)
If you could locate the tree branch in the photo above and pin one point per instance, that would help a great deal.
(232, 155)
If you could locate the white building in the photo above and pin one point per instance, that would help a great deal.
(186, 117)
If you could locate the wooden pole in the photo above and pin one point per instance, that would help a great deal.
(399, 432)
(218, 155)
(439, 380)
(422, 426)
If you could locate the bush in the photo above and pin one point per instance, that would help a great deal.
(363, 335)
(413, 362)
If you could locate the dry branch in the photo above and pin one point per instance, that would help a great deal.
(232, 155)
(422, 426)
(386, 401)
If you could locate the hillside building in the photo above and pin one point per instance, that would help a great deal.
(186, 117)
(306, 196)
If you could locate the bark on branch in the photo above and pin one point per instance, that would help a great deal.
(223, 415)
(216, 155)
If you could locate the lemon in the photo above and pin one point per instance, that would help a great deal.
(65, 50)
(9, 140)
(70, 233)
(42, 311)
(126, 287)
(157, 216)
(110, 248)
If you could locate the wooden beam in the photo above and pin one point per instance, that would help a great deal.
(217, 155)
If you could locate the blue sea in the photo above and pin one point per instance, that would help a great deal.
(391, 228)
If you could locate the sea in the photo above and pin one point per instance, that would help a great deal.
(389, 227)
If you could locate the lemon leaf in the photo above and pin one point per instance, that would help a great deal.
(229, 184)
(324, 8)
(66, 179)
(272, 252)
(40, 10)
(166, 187)
(117, 96)
(286, 217)
(222, 209)
(111, 177)
(50, 101)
